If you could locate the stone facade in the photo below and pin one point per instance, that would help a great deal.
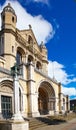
(38, 93)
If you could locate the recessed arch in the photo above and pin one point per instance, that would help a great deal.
(30, 40)
(46, 99)
(30, 58)
(38, 65)
(46, 84)
(6, 86)
(21, 50)
(19, 55)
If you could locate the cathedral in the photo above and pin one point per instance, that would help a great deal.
(21, 56)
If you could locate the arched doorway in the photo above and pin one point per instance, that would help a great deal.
(43, 101)
(46, 99)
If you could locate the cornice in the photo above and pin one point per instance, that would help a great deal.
(7, 31)
(8, 54)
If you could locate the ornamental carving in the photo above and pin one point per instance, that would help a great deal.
(6, 89)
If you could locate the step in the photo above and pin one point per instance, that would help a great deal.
(38, 122)
(38, 126)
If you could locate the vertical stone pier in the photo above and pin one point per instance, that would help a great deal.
(32, 95)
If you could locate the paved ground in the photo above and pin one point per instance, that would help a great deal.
(70, 125)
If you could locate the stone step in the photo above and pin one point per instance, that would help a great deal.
(37, 126)
(35, 123)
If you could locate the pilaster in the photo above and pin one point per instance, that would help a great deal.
(56, 105)
(32, 95)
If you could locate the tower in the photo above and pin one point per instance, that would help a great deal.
(7, 37)
(8, 18)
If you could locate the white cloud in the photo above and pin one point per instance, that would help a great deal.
(71, 80)
(57, 71)
(43, 30)
(69, 91)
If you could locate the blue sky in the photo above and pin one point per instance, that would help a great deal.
(54, 23)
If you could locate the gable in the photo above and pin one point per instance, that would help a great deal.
(29, 36)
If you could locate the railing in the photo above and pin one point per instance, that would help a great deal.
(34, 51)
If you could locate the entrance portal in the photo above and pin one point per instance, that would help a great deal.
(46, 99)
(42, 102)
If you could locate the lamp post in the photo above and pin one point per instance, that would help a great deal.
(15, 73)
(15, 70)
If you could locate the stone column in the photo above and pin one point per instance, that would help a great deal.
(24, 70)
(16, 115)
(36, 111)
(32, 95)
(62, 103)
(16, 95)
(51, 107)
(68, 103)
(32, 101)
(20, 123)
(57, 105)
(26, 58)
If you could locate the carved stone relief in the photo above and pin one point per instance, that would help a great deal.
(6, 89)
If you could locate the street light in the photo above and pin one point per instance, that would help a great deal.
(15, 72)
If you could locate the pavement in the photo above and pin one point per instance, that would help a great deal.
(70, 125)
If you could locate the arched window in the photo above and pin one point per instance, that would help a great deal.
(1, 45)
(20, 55)
(38, 65)
(12, 49)
(13, 19)
(18, 58)
(30, 58)
(30, 40)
